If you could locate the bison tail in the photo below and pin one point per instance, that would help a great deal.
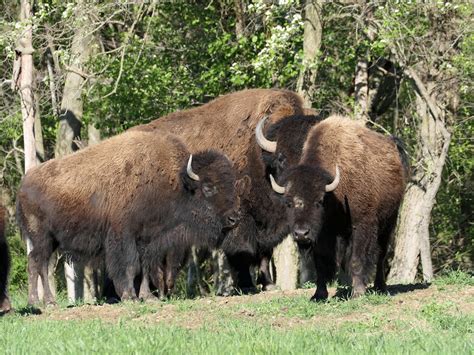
(20, 219)
(403, 154)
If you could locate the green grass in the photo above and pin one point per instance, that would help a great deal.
(438, 320)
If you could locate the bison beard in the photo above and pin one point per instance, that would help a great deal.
(228, 123)
(347, 222)
(112, 197)
(4, 264)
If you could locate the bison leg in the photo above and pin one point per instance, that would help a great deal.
(384, 240)
(171, 272)
(33, 274)
(365, 252)
(325, 270)
(145, 293)
(123, 265)
(4, 270)
(38, 260)
(160, 272)
(174, 259)
(264, 277)
(48, 295)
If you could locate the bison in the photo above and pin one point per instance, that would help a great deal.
(4, 264)
(342, 199)
(228, 123)
(112, 199)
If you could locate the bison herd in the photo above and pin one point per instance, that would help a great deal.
(239, 173)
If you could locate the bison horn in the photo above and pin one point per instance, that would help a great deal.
(277, 188)
(264, 143)
(332, 186)
(190, 171)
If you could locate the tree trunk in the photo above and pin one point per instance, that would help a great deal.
(361, 93)
(412, 234)
(239, 8)
(311, 45)
(285, 260)
(93, 135)
(361, 81)
(223, 278)
(39, 145)
(71, 115)
(23, 81)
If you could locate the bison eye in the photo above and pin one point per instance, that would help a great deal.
(289, 203)
(209, 190)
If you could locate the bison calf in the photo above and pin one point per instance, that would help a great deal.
(111, 198)
(4, 264)
(343, 200)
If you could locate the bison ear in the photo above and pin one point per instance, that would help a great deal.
(188, 183)
(242, 186)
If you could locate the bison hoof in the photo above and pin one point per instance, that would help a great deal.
(320, 297)
(249, 290)
(356, 293)
(33, 301)
(269, 287)
(5, 306)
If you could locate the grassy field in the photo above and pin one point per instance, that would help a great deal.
(414, 319)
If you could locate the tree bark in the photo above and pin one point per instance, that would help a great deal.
(361, 87)
(361, 81)
(412, 234)
(306, 84)
(223, 278)
(239, 7)
(23, 81)
(285, 260)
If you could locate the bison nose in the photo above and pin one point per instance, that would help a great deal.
(301, 234)
(232, 220)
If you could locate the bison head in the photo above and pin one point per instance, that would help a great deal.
(306, 190)
(283, 141)
(210, 176)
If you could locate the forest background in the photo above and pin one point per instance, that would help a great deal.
(405, 68)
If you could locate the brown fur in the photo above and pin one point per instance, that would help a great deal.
(4, 263)
(357, 151)
(111, 197)
(228, 123)
(350, 226)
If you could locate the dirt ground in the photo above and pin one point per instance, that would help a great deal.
(285, 309)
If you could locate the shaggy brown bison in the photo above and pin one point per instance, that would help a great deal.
(343, 200)
(4, 263)
(228, 123)
(116, 197)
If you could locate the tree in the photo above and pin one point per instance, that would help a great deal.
(312, 37)
(436, 102)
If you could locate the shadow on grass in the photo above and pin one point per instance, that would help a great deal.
(344, 293)
(401, 288)
(28, 311)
